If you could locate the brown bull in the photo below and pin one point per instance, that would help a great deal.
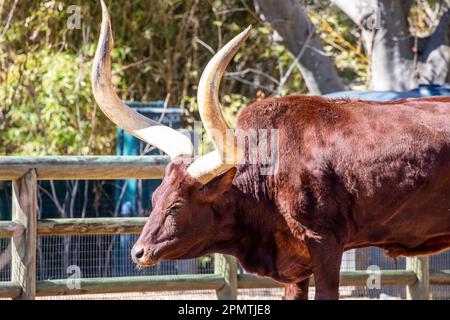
(349, 174)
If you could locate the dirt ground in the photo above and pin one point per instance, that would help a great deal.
(244, 294)
(257, 294)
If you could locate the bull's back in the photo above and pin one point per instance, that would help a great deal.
(390, 160)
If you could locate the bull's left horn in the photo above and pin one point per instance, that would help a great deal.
(167, 139)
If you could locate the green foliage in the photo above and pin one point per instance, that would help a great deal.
(46, 105)
(341, 40)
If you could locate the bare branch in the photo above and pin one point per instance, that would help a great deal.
(252, 84)
(85, 198)
(293, 27)
(251, 70)
(2, 5)
(387, 40)
(231, 10)
(204, 44)
(135, 64)
(54, 198)
(251, 12)
(9, 19)
(358, 10)
(351, 8)
(295, 62)
(73, 198)
(435, 59)
(119, 201)
(166, 105)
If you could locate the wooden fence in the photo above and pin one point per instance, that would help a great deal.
(25, 228)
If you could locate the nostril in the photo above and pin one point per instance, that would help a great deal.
(139, 253)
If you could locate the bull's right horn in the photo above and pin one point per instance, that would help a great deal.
(227, 153)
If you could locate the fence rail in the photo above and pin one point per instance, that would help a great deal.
(84, 168)
(24, 229)
(90, 226)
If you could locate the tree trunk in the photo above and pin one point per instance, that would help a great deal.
(394, 65)
(389, 44)
(295, 30)
(435, 60)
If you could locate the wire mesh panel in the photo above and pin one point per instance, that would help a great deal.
(437, 263)
(372, 259)
(99, 256)
(5, 260)
(348, 264)
(366, 259)
(260, 294)
(5, 215)
(109, 256)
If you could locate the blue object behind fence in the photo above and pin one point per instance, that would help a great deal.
(425, 90)
(134, 196)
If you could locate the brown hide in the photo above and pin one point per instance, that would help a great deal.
(350, 174)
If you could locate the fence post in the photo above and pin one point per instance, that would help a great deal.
(420, 290)
(227, 266)
(23, 247)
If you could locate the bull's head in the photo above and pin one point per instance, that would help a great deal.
(186, 201)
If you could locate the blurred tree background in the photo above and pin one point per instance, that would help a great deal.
(161, 48)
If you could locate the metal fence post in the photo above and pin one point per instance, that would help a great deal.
(227, 266)
(420, 290)
(23, 247)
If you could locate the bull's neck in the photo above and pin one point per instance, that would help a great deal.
(250, 237)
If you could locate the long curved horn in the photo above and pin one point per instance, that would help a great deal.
(227, 153)
(167, 139)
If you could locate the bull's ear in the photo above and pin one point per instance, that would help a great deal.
(221, 183)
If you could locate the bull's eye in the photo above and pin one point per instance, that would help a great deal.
(175, 209)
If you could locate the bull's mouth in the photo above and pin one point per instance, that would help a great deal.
(146, 263)
(156, 253)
